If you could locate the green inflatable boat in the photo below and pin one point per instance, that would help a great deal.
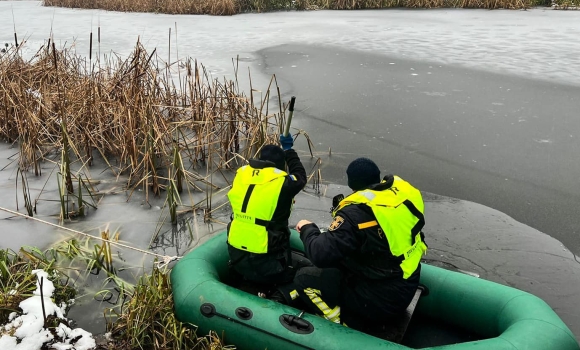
(502, 317)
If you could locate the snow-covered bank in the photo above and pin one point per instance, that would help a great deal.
(28, 332)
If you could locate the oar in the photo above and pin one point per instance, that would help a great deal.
(291, 109)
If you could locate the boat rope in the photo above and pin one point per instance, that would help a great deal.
(165, 259)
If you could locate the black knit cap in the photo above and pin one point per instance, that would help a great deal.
(274, 154)
(361, 173)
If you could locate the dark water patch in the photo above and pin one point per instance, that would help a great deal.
(502, 141)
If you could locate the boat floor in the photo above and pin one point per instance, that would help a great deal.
(427, 332)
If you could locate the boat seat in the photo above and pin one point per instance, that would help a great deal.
(253, 288)
(394, 331)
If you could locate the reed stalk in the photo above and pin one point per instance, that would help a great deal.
(173, 200)
(65, 159)
(178, 168)
(25, 192)
(62, 192)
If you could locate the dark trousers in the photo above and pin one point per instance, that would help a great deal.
(317, 291)
(325, 292)
(255, 272)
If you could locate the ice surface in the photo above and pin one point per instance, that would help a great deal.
(540, 43)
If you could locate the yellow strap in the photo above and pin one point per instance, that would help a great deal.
(368, 224)
(332, 315)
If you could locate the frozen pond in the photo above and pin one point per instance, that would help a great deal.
(417, 71)
(540, 42)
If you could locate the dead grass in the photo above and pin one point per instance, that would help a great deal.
(17, 282)
(147, 320)
(214, 7)
(231, 7)
(566, 4)
(143, 317)
(161, 129)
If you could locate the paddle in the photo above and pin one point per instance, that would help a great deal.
(291, 109)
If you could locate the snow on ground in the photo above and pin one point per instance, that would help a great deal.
(27, 332)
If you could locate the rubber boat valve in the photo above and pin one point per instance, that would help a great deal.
(208, 310)
(244, 313)
(296, 324)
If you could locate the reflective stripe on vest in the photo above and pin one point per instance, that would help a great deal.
(254, 197)
(399, 211)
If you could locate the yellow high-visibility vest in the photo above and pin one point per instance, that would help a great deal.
(254, 197)
(399, 211)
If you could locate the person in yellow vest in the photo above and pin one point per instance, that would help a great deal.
(368, 262)
(262, 196)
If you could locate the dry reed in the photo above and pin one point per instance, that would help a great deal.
(566, 4)
(214, 7)
(144, 125)
(231, 7)
(162, 135)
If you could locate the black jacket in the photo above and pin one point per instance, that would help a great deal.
(372, 278)
(273, 266)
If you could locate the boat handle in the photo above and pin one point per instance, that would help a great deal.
(296, 324)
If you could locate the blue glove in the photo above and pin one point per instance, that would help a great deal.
(286, 141)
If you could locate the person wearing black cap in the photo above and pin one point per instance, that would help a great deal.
(262, 196)
(368, 263)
